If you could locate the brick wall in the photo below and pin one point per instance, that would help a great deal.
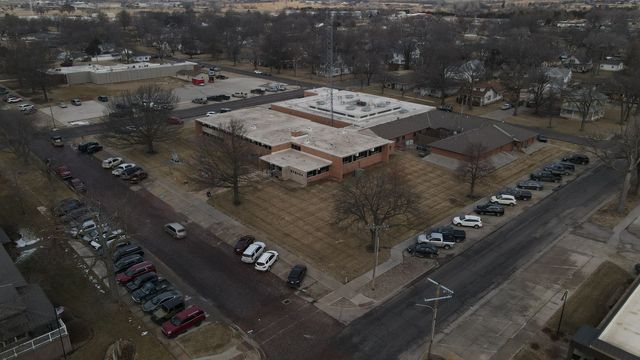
(315, 118)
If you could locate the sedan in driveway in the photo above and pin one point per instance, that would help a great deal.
(530, 185)
(243, 243)
(266, 260)
(122, 167)
(111, 162)
(468, 221)
(150, 289)
(296, 275)
(159, 299)
(423, 250)
(489, 209)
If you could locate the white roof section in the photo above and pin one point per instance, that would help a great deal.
(296, 159)
(359, 109)
(97, 68)
(274, 128)
(623, 330)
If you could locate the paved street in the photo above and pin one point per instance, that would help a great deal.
(252, 300)
(399, 326)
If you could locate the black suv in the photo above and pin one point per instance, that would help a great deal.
(517, 193)
(489, 209)
(545, 176)
(126, 251)
(84, 147)
(423, 250)
(449, 233)
(577, 159)
(556, 169)
(566, 165)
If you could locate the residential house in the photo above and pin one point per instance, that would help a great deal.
(612, 64)
(465, 71)
(572, 105)
(29, 325)
(559, 77)
(579, 64)
(484, 94)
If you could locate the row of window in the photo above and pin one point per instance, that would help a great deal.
(241, 137)
(362, 154)
(317, 172)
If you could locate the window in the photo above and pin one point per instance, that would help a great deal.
(312, 173)
(347, 159)
(295, 147)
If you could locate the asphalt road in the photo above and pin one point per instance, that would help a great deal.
(399, 325)
(251, 300)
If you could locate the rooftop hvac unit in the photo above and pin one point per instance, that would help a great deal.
(320, 102)
(381, 104)
(403, 111)
(366, 109)
(351, 107)
(349, 96)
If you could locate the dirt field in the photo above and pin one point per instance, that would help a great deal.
(91, 331)
(300, 219)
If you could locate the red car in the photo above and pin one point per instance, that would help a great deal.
(135, 271)
(174, 120)
(183, 321)
(63, 171)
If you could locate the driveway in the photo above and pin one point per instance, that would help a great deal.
(284, 325)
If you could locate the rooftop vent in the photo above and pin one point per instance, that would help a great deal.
(361, 103)
(381, 104)
(320, 102)
(349, 96)
(351, 107)
(403, 111)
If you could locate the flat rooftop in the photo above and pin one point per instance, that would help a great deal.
(358, 109)
(97, 68)
(623, 331)
(274, 128)
(296, 159)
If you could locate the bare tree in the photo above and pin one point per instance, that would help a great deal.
(539, 86)
(585, 101)
(475, 166)
(623, 156)
(140, 117)
(225, 160)
(375, 199)
(16, 132)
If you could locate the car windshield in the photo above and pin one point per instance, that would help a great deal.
(175, 321)
(160, 299)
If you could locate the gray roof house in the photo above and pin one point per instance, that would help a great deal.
(29, 328)
(559, 77)
(572, 104)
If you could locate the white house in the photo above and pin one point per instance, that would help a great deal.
(571, 107)
(612, 65)
(484, 95)
(559, 77)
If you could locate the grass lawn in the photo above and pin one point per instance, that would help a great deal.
(93, 321)
(608, 216)
(301, 219)
(588, 305)
(209, 339)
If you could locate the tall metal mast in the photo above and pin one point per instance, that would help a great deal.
(330, 46)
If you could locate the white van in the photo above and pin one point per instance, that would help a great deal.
(176, 230)
(253, 252)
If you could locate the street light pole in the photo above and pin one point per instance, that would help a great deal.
(564, 301)
(448, 294)
(53, 119)
(376, 250)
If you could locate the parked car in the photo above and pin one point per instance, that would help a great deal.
(87, 227)
(266, 260)
(503, 199)
(183, 321)
(446, 107)
(135, 271)
(517, 193)
(126, 251)
(577, 159)
(239, 94)
(126, 262)
(225, 110)
(79, 215)
(150, 289)
(126, 174)
(468, 221)
(530, 185)
(103, 98)
(210, 113)
(423, 250)
(66, 205)
(62, 105)
(556, 169)
(13, 99)
(167, 310)
(506, 106)
(200, 100)
(138, 176)
(85, 146)
(93, 148)
(122, 167)
(155, 302)
(566, 165)
(174, 120)
(56, 141)
(489, 209)
(296, 275)
(76, 102)
(435, 239)
(258, 91)
(257, 72)
(242, 244)
(176, 230)
(136, 283)
(25, 107)
(450, 233)
(77, 185)
(545, 176)
(252, 252)
(63, 172)
(221, 77)
(111, 162)
(542, 138)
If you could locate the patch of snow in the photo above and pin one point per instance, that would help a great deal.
(144, 333)
(27, 238)
(25, 254)
(79, 123)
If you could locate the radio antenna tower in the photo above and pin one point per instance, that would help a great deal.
(330, 47)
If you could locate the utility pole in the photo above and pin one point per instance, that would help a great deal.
(329, 65)
(564, 301)
(448, 294)
(376, 250)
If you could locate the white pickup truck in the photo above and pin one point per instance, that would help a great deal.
(436, 239)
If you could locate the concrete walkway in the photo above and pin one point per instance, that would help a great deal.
(614, 240)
